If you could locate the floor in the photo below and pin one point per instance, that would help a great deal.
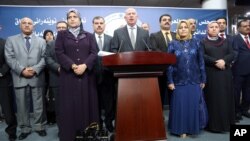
(53, 131)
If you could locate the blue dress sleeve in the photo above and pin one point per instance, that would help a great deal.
(170, 68)
(201, 63)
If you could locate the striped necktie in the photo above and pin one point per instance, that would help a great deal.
(27, 42)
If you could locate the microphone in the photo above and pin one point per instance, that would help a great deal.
(120, 47)
(146, 45)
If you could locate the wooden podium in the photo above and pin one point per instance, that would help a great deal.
(139, 109)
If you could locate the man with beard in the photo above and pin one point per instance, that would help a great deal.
(160, 40)
(105, 79)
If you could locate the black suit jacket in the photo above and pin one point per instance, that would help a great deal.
(121, 40)
(99, 69)
(158, 41)
(107, 43)
(241, 66)
(5, 80)
(52, 64)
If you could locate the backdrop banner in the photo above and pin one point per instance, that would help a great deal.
(45, 17)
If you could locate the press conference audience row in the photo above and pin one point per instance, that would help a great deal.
(67, 83)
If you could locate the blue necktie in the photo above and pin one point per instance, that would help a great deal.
(27, 42)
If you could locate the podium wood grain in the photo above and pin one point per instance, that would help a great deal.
(139, 113)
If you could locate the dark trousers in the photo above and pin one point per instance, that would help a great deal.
(164, 92)
(7, 103)
(52, 104)
(106, 96)
(242, 86)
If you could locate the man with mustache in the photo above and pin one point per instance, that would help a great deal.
(160, 40)
(24, 54)
(105, 79)
(241, 71)
(193, 26)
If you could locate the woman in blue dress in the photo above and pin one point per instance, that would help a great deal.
(186, 79)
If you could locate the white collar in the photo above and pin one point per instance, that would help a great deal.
(97, 35)
(129, 27)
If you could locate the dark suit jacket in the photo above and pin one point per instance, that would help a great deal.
(106, 45)
(241, 66)
(52, 64)
(158, 41)
(99, 68)
(121, 40)
(5, 80)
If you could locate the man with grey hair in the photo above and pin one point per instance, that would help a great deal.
(192, 23)
(24, 54)
(193, 26)
(145, 26)
(130, 37)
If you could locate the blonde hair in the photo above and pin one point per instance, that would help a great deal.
(189, 36)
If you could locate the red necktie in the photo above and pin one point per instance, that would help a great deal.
(247, 42)
(222, 36)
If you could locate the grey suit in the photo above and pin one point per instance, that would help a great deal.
(121, 40)
(18, 58)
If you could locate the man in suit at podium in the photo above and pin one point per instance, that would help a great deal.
(105, 79)
(130, 37)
